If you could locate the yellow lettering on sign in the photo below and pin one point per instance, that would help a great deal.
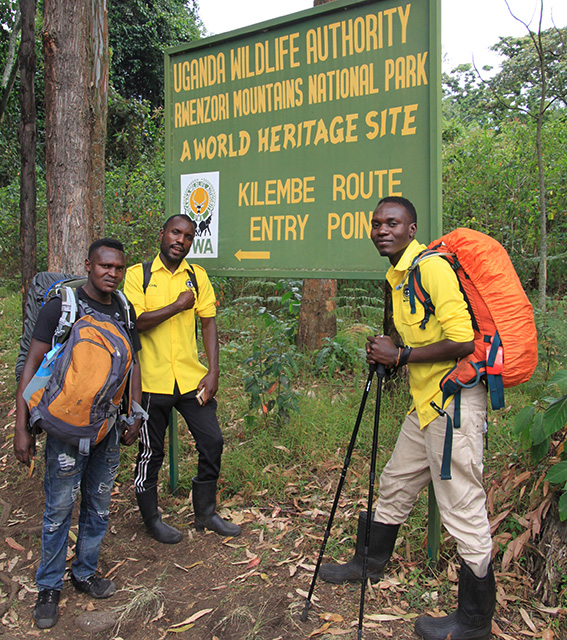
(202, 110)
(390, 117)
(303, 134)
(350, 82)
(357, 35)
(264, 57)
(278, 228)
(222, 146)
(276, 192)
(405, 72)
(368, 185)
(186, 153)
(199, 72)
(354, 225)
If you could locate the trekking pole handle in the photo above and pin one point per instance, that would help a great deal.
(378, 368)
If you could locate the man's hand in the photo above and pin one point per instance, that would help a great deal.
(24, 445)
(210, 384)
(185, 300)
(131, 433)
(381, 350)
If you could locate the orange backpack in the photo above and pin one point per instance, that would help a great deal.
(505, 335)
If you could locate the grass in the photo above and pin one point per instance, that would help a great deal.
(10, 327)
(144, 604)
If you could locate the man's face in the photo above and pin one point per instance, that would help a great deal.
(105, 269)
(176, 239)
(392, 230)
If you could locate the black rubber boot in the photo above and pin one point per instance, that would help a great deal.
(205, 504)
(382, 541)
(162, 532)
(473, 618)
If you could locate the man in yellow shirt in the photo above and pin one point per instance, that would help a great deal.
(173, 377)
(430, 350)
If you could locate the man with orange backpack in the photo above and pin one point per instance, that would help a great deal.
(101, 334)
(431, 349)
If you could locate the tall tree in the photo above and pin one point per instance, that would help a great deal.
(75, 41)
(11, 15)
(27, 137)
(531, 82)
(317, 319)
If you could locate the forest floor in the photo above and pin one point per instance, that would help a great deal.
(250, 587)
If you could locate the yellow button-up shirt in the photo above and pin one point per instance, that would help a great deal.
(451, 321)
(169, 350)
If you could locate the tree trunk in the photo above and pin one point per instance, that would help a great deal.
(542, 276)
(317, 318)
(75, 42)
(27, 137)
(100, 66)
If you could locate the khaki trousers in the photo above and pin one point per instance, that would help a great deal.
(417, 459)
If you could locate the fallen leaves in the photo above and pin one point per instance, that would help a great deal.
(14, 545)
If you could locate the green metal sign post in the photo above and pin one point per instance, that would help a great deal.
(282, 137)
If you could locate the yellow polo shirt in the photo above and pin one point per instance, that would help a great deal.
(169, 350)
(451, 321)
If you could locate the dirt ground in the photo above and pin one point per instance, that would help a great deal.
(250, 587)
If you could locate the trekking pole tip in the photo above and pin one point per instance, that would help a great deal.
(303, 617)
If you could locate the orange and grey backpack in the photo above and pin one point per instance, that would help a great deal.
(82, 387)
(505, 336)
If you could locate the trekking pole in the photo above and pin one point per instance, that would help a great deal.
(380, 373)
(372, 370)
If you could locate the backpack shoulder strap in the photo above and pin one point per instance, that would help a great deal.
(415, 286)
(147, 274)
(126, 309)
(69, 312)
(193, 277)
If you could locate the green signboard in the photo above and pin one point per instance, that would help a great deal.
(282, 137)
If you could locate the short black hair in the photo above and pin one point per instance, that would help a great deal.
(112, 243)
(404, 202)
(178, 215)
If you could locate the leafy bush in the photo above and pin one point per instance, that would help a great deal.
(539, 430)
(268, 372)
(337, 355)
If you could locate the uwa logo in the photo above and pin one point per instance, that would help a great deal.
(199, 201)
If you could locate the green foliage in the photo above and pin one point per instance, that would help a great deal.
(10, 224)
(360, 301)
(337, 355)
(10, 327)
(135, 181)
(269, 370)
(282, 295)
(139, 31)
(537, 429)
(552, 336)
(519, 80)
(135, 131)
(490, 183)
(466, 99)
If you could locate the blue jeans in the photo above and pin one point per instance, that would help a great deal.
(67, 472)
